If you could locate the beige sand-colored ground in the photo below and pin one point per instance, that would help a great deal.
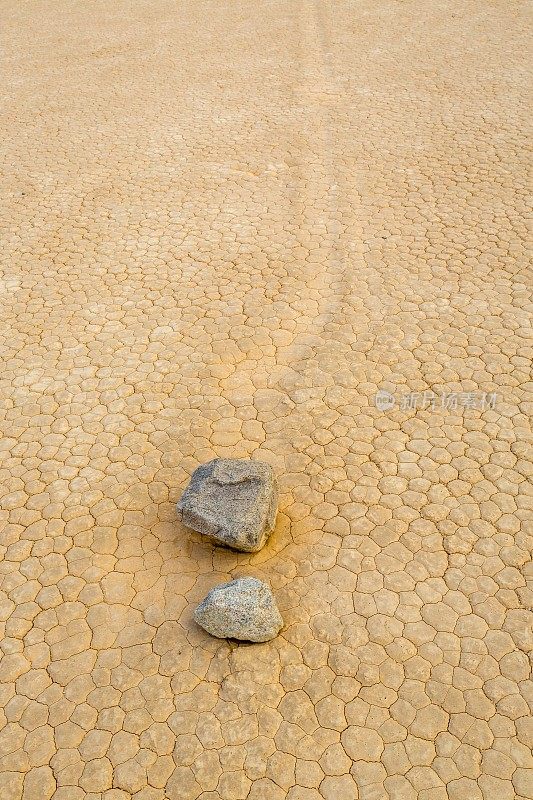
(227, 225)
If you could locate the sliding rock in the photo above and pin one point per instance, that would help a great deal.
(233, 501)
(242, 609)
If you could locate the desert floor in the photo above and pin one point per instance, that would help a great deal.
(226, 225)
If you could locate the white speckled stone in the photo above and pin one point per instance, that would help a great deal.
(241, 609)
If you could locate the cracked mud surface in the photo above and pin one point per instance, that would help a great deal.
(227, 225)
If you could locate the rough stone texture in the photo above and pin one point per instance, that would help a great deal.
(233, 501)
(224, 226)
(241, 609)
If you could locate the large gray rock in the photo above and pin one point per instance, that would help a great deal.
(242, 609)
(233, 501)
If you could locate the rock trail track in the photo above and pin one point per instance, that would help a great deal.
(225, 226)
